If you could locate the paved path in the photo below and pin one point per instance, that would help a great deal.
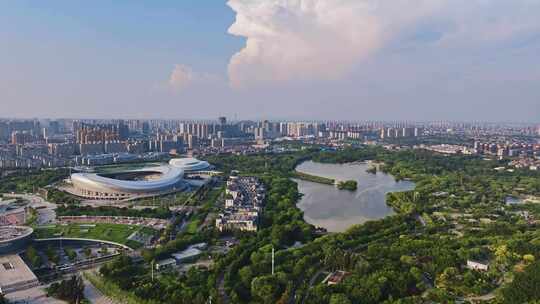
(221, 288)
(35, 295)
(487, 297)
(95, 296)
(312, 281)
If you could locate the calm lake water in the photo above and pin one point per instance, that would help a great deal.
(336, 210)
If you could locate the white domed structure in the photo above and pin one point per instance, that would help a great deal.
(128, 184)
(190, 164)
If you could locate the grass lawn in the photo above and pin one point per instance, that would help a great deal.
(211, 197)
(192, 226)
(108, 232)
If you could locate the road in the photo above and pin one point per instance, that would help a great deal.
(221, 288)
(312, 281)
(93, 295)
(478, 299)
(35, 295)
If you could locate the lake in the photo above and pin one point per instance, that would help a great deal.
(337, 210)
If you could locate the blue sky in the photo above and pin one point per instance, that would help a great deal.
(296, 59)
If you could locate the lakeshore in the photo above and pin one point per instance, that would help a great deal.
(326, 206)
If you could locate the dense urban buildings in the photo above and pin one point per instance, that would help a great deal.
(64, 142)
(244, 197)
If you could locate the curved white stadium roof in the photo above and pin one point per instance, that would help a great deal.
(13, 233)
(189, 164)
(170, 177)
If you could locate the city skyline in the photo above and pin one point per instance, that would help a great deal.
(270, 151)
(294, 60)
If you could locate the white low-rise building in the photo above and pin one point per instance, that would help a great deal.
(476, 265)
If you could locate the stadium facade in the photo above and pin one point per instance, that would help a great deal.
(127, 185)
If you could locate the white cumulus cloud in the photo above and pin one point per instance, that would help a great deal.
(183, 77)
(289, 40)
(313, 39)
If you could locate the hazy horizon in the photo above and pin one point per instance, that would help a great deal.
(369, 60)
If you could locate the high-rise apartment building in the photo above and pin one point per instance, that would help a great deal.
(101, 133)
(21, 137)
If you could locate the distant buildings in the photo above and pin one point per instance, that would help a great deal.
(41, 143)
(244, 197)
(449, 149)
(404, 132)
(21, 137)
(507, 149)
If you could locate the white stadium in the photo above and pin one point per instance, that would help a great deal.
(190, 164)
(132, 184)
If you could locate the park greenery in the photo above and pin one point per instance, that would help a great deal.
(33, 257)
(117, 233)
(61, 198)
(524, 288)
(69, 290)
(456, 213)
(77, 210)
(30, 181)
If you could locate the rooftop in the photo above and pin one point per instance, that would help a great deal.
(13, 272)
(10, 233)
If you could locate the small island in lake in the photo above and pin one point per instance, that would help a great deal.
(350, 185)
(314, 178)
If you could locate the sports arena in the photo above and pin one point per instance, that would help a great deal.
(190, 165)
(132, 184)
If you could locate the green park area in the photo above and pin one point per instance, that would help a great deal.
(118, 233)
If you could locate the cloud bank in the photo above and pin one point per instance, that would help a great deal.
(183, 77)
(313, 39)
(304, 40)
